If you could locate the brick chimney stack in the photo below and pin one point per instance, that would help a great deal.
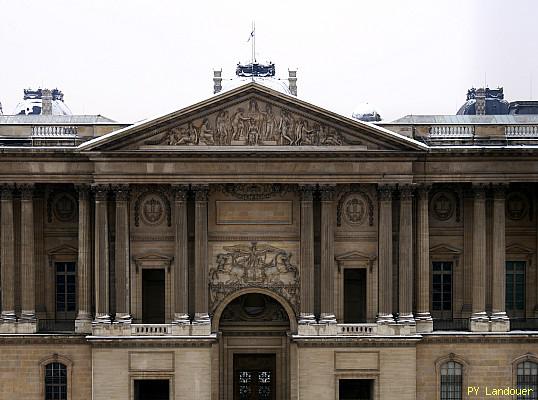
(46, 102)
(292, 79)
(217, 81)
(480, 105)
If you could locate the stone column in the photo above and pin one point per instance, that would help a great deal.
(122, 251)
(479, 318)
(40, 258)
(405, 315)
(327, 255)
(7, 255)
(181, 259)
(102, 301)
(423, 318)
(201, 307)
(499, 319)
(27, 254)
(83, 321)
(385, 255)
(307, 256)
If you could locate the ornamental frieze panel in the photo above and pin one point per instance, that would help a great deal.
(251, 123)
(62, 207)
(445, 204)
(355, 207)
(254, 265)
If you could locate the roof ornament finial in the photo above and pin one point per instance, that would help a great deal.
(253, 42)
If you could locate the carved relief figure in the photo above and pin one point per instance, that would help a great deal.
(254, 265)
(252, 127)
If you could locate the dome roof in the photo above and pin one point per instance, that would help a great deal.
(366, 112)
(32, 103)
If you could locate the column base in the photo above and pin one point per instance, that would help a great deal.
(83, 325)
(102, 318)
(385, 319)
(499, 322)
(181, 319)
(201, 318)
(27, 326)
(424, 322)
(479, 322)
(306, 319)
(28, 316)
(123, 318)
(8, 316)
(406, 319)
(327, 318)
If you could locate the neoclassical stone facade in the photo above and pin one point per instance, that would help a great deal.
(256, 245)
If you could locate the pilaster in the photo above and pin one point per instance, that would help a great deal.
(201, 307)
(27, 258)
(423, 317)
(327, 255)
(7, 254)
(385, 255)
(101, 258)
(479, 319)
(83, 321)
(307, 255)
(122, 251)
(499, 319)
(181, 261)
(405, 315)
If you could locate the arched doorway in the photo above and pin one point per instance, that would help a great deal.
(254, 347)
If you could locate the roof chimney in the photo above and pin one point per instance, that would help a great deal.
(217, 81)
(292, 79)
(46, 102)
(480, 106)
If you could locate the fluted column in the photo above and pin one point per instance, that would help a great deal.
(307, 256)
(82, 323)
(7, 258)
(181, 260)
(327, 255)
(499, 318)
(102, 301)
(423, 317)
(385, 255)
(405, 314)
(201, 307)
(479, 317)
(27, 254)
(121, 260)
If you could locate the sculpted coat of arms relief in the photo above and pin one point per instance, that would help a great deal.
(252, 123)
(254, 265)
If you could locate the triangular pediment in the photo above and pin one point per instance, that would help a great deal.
(445, 249)
(518, 249)
(252, 117)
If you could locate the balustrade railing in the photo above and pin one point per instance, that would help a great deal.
(151, 329)
(357, 329)
(452, 131)
(454, 324)
(55, 325)
(521, 131)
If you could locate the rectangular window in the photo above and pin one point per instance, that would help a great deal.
(354, 295)
(442, 289)
(355, 389)
(66, 297)
(515, 288)
(156, 389)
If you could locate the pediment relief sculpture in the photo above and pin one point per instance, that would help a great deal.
(251, 123)
(254, 265)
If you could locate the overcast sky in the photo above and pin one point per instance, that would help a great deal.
(130, 60)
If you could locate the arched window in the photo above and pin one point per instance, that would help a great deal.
(451, 380)
(527, 378)
(55, 381)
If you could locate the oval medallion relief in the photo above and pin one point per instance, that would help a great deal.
(355, 207)
(153, 210)
(443, 206)
(517, 206)
(64, 208)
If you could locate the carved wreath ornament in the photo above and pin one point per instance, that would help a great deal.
(251, 125)
(255, 265)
